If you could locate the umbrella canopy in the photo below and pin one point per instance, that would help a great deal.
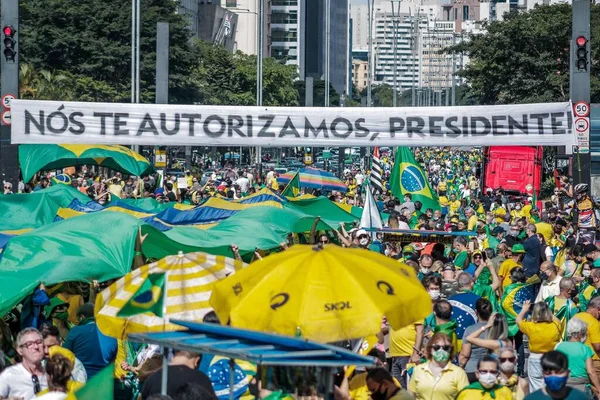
(315, 179)
(325, 294)
(190, 278)
(36, 157)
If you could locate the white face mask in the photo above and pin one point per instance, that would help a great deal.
(488, 380)
(424, 270)
(586, 273)
(386, 252)
(507, 366)
(434, 294)
(364, 241)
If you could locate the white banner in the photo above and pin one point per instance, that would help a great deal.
(549, 124)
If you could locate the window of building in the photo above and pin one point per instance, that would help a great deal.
(465, 13)
(284, 18)
(231, 3)
(455, 14)
(284, 2)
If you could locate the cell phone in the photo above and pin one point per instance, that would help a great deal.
(471, 247)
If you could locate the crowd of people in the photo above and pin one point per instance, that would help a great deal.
(514, 286)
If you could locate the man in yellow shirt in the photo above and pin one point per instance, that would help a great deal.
(472, 223)
(512, 261)
(382, 387)
(590, 317)
(454, 205)
(403, 343)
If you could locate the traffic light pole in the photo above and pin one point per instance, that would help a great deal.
(9, 68)
(580, 89)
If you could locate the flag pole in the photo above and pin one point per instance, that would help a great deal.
(165, 370)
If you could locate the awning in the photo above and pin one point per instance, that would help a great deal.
(256, 347)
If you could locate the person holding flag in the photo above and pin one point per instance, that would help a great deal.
(408, 177)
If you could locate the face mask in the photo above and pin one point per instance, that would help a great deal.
(507, 366)
(555, 383)
(488, 380)
(586, 273)
(424, 271)
(543, 276)
(363, 242)
(441, 355)
(517, 207)
(386, 252)
(434, 294)
(62, 315)
(514, 233)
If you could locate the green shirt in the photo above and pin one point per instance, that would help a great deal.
(577, 353)
(596, 263)
(461, 259)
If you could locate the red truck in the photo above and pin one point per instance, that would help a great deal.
(516, 169)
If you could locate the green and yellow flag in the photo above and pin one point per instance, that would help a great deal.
(293, 187)
(148, 298)
(101, 386)
(408, 177)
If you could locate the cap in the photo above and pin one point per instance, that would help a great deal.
(589, 248)
(449, 267)
(408, 249)
(517, 249)
(498, 230)
(361, 232)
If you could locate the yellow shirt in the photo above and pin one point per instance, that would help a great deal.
(504, 271)
(454, 206)
(593, 330)
(403, 340)
(425, 386)
(503, 393)
(543, 336)
(546, 230)
(472, 224)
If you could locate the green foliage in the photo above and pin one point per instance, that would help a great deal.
(318, 94)
(525, 57)
(81, 50)
(548, 187)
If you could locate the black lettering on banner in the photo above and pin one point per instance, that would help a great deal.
(487, 126)
(63, 119)
(80, 127)
(322, 128)
(289, 129)
(103, 116)
(117, 124)
(455, 129)
(497, 128)
(465, 126)
(38, 124)
(540, 119)
(147, 125)
(163, 124)
(264, 131)
(359, 130)
(569, 122)
(415, 125)
(556, 121)
(396, 125)
(339, 306)
(435, 130)
(513, 123)
(344, 121)
(207, 123)
(234, 122)
(249, 125)
(191, 119)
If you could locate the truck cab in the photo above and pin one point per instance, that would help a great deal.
(515, 169)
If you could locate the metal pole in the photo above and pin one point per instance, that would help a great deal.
(137, 50)
(453, 71)
(259, 73)
(162, 63)
(327, 49)
(133, 37)
(370, 72)
(394, 50)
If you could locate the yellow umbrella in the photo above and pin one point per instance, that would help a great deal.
(190, 279)
(321, 293)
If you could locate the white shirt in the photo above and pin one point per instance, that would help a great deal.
(549, 289)
(16, 381)
(360, 178)
(244, 184)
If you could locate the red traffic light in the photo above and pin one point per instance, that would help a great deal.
(581, 41)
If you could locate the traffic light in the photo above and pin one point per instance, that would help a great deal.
(581, 53)
(10, 43)
(308, 156)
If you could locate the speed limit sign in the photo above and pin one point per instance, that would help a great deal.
(581, 109)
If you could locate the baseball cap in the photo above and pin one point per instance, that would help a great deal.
(408, 249)
(361, 232)
(589, 248)
(449, 267)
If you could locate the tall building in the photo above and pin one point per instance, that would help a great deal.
(360, 27)
(285, 27)
(360, 70)
(247, 29)
(211, 22)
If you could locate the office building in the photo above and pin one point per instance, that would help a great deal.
(211, 22)
(360, 71)
(246, 37)
(285, 27)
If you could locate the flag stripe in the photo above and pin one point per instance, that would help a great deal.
(376, 172)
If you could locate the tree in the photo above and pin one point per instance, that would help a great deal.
(318, 93)
(525, 57)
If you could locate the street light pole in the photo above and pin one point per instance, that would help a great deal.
(259, 72)
(327, 49)
(394, 51)
(370, 72)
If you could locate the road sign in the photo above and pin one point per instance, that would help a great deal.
(582, 124)
(307, 159)
(6, 117)
(7, 100)
(582, 128)
(326, 154)
(160, 158)
(581, 109)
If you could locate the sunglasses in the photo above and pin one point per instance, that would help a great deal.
(446, 347)
(511, 359)
(36, 384)
(324, 241)
(488, 371)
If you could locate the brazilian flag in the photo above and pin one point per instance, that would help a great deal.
(293, 187)
(408, 177)
(512, 301)
(148, 298)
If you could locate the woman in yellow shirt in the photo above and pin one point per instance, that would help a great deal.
(487, 386)
(438, 378)
(544, 333)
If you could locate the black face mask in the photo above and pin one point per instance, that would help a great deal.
(378, 395)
